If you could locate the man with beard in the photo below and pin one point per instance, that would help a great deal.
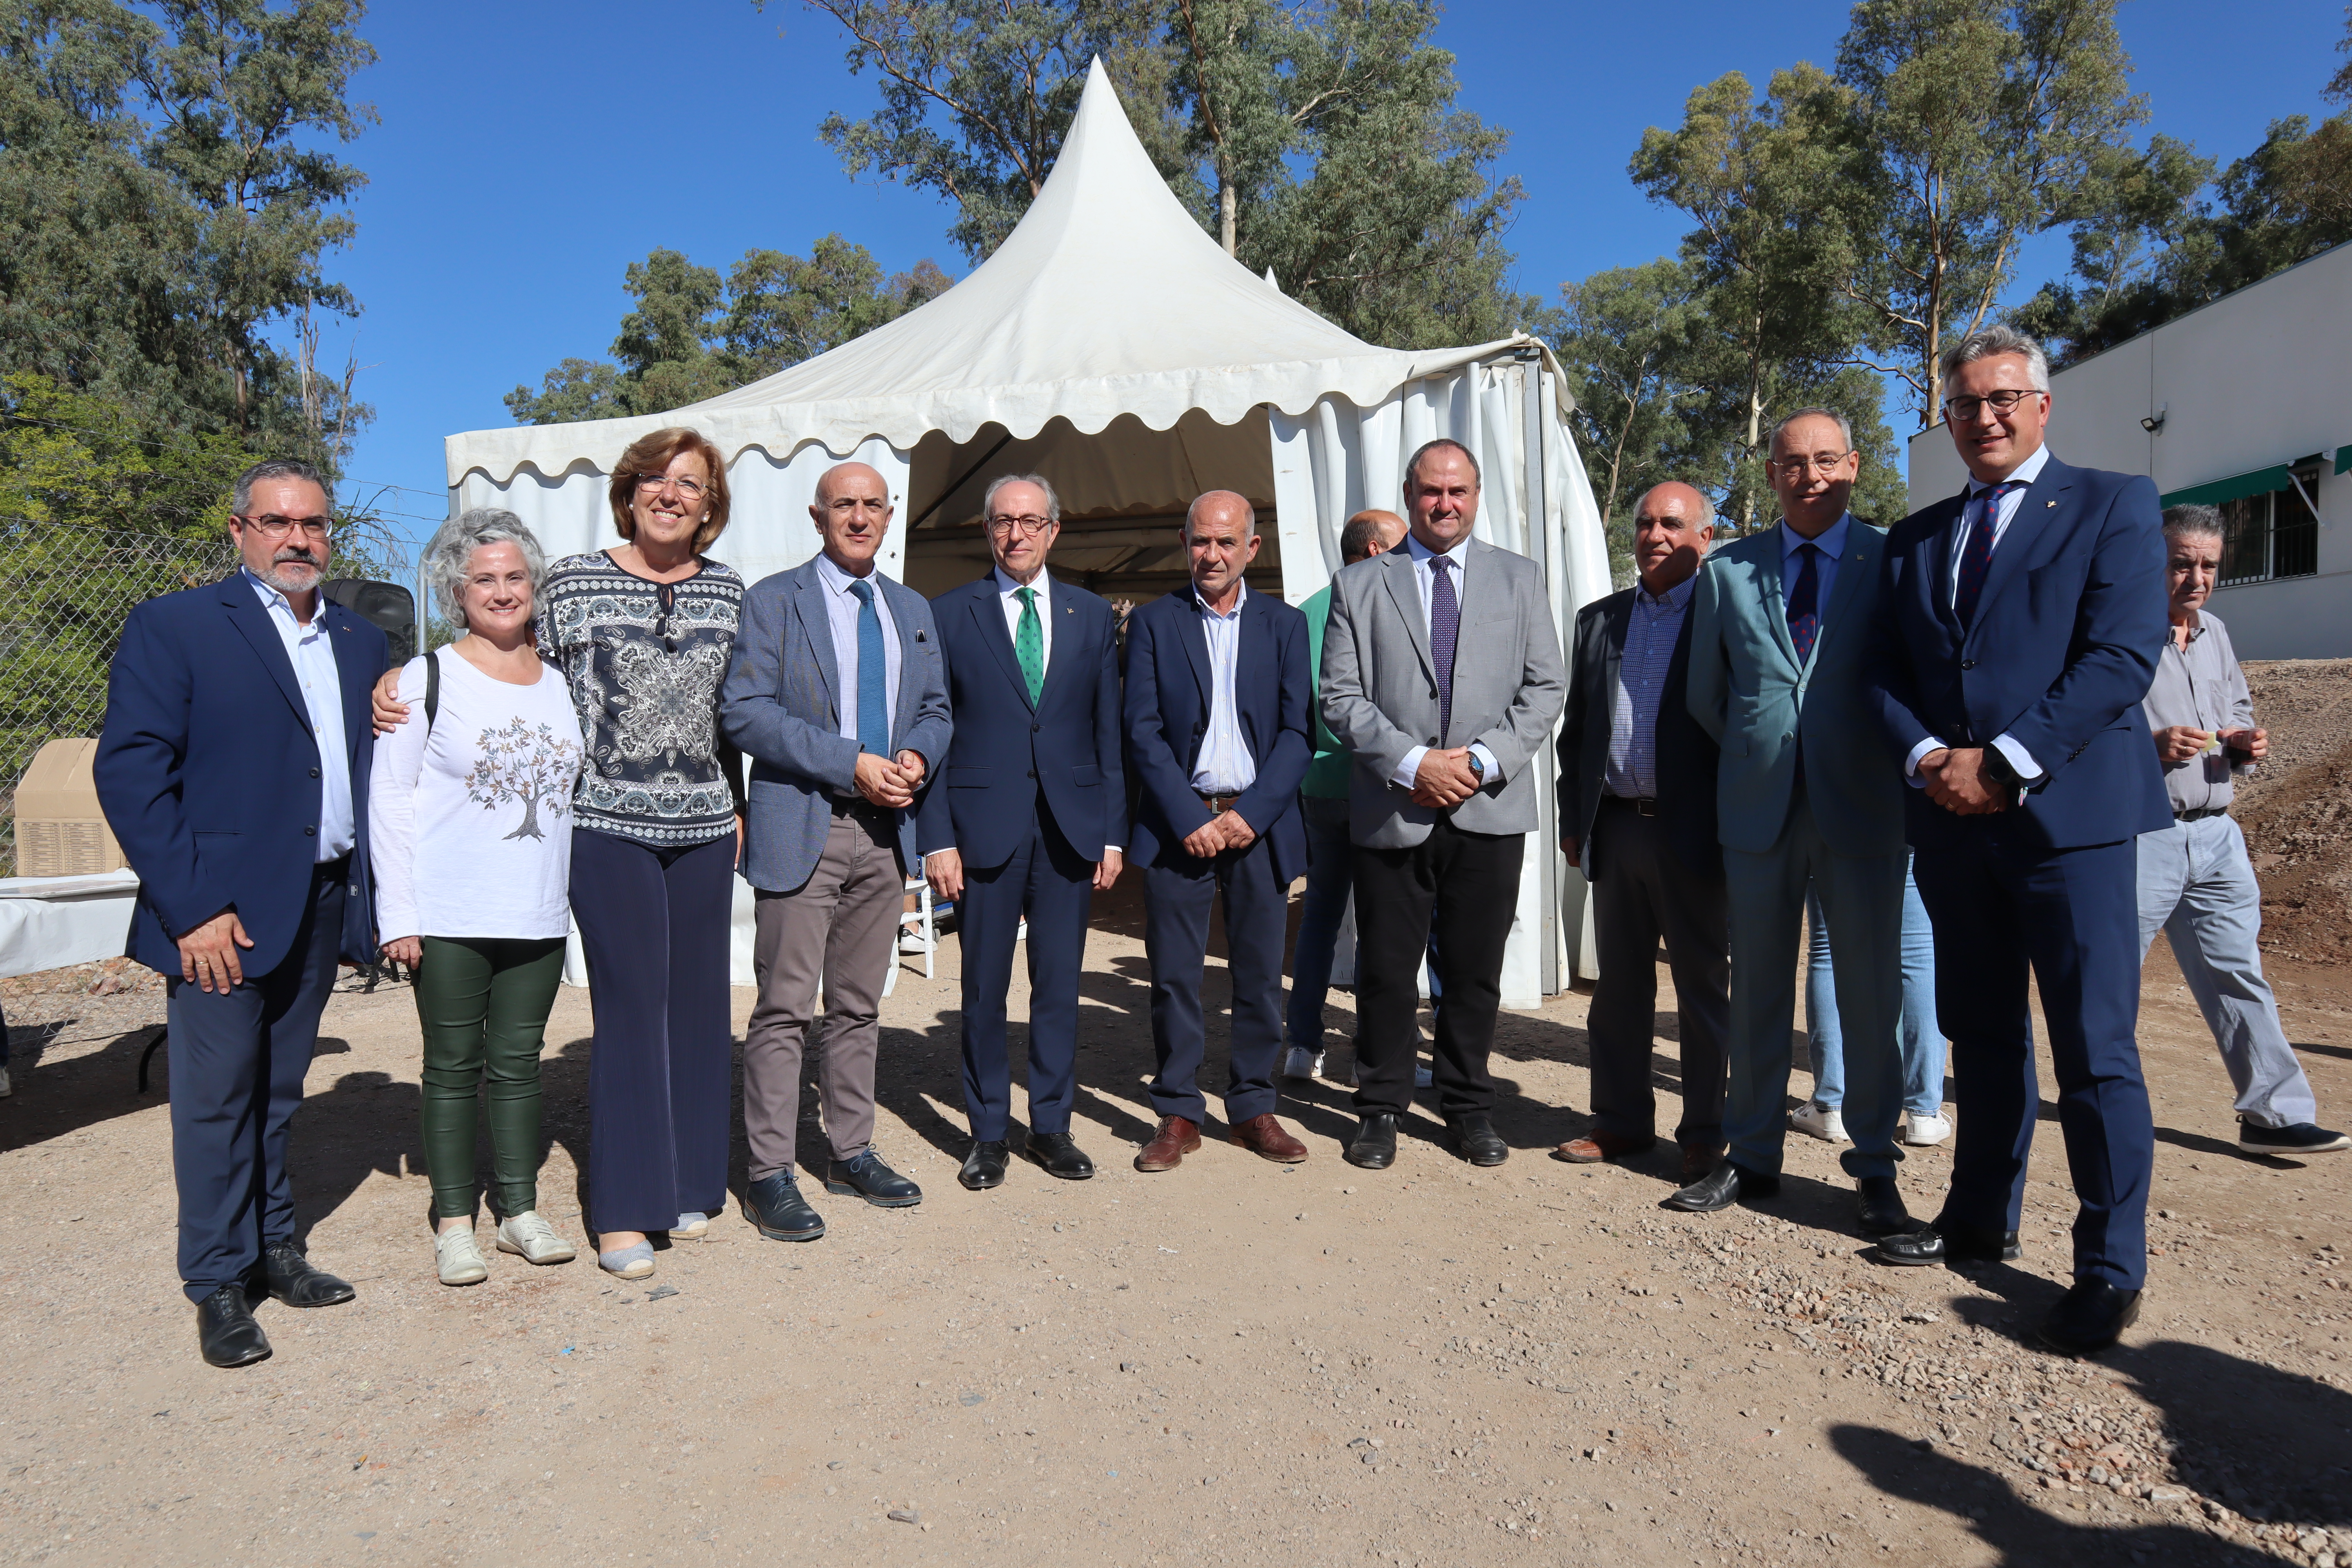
(233, 769)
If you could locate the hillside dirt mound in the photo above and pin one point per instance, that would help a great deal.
(2296, 809)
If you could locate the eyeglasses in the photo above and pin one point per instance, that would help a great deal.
(272, 527)
(1825, 463)
(688, 490)
(1030, 524)
(1964, 410)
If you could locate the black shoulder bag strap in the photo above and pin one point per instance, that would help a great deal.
(432, 689)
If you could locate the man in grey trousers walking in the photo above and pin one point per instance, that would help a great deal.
(838, 695)
(2196, 883)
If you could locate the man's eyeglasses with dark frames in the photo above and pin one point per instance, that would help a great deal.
(1964, 410)
(272, 527)
(1030, 524)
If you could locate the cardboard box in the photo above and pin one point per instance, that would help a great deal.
(60, 832)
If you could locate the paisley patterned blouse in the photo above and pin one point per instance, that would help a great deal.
(644, 661)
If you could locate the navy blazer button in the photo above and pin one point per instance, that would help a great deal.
(1968, 664)
(1032, 773)
(1035, 729)
(310, 832)
(314, 772)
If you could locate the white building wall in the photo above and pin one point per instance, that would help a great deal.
(2260, 378)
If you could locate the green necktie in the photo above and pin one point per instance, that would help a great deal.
(1029, 644)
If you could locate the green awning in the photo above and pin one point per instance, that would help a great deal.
(2262, 481)
(2344, 459)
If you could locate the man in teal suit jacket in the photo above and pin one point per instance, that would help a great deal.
(1808, 791)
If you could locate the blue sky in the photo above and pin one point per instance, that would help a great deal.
(529, 149)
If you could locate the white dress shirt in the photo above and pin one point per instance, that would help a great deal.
(1225, 765)
(1408, 772)
(1830, 545)
(841, 611)
(2028, 770)
(312, 654)
(1005, 588)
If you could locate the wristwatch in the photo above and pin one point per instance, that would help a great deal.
(1478, 768)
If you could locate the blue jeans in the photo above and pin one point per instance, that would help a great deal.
(1919, 1038)
(1329, 880)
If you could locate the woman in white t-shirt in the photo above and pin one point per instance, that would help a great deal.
(468, 828)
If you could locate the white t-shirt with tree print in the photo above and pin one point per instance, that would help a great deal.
(469, 828)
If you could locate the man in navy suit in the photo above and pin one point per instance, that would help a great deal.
(2020, 623)
(1026, 816)
(1216, 731)
(233, 769)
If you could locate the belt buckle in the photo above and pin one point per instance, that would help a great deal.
(1647, 807)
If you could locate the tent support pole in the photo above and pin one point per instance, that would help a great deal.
(959, 482)
(1538, 536)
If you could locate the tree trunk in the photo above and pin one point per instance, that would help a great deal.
(1755, 421)
(1228, 208)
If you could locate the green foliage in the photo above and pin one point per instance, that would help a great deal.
(69, 458)
(1318, 138)
(165, 204)
(693, 335)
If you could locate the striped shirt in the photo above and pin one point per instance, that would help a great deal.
(1225, 765)
(1650, 629)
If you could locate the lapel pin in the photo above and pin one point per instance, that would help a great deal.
(2049, 503)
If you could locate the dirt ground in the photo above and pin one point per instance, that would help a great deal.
(1233, 1361)
(2296, 809)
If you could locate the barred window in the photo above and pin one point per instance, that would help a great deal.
(2270, 536)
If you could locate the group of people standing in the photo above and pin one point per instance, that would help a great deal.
(617, 735)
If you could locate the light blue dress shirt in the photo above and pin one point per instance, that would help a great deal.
(312, 654)
(840, 609)
(2029, 470)
(1652, 628)
(1225, 765)
(1408, 770)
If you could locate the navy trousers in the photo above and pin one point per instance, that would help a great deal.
(238, 1059)
(1177, 905)
(2070, 918)
(1051, 883)
(653, 926)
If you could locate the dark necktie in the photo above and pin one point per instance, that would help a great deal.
(1976, 555)
(1445, 631)
(1805, 602)
(873, 676)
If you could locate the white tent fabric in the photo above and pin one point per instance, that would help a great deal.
(1104, 320)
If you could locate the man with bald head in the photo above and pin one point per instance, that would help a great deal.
(1637, 815)
(1217, 701)
(838, 695)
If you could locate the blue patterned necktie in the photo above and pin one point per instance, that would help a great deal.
(1804, 602)
(873, 675)
(1445, 632)
(1976, 557)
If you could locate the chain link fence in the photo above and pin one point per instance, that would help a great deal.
(65, 592)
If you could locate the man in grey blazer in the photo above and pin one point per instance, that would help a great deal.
(1443, 727)
(838, 695)
(1808, 791)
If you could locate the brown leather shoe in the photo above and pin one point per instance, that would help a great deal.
(1264, 1137)
(1595, 1147)
(1175, 1139)
(1698, 1161)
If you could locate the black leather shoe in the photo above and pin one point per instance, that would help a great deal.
(867, 1176)
(2090, 1317)
(984, 1167)
(1476, 1139)
(1060, 1155)
(225, 1331)
(1373, 1148)
(1881, 1211)
(1722, 1187)
(774, 1207)
(1935, 1244)
(293, 1281)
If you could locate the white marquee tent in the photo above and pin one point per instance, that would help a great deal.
(1111, 345)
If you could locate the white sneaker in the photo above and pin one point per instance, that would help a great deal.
(912, 939)
(460, 1262)
(1925, 1131)
(1299, 1062)
(532, 1239)
(6, 1088)
(1825, 1123)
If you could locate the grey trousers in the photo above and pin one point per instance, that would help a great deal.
(840, 927)
(1643, 891)
(2197, 887)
